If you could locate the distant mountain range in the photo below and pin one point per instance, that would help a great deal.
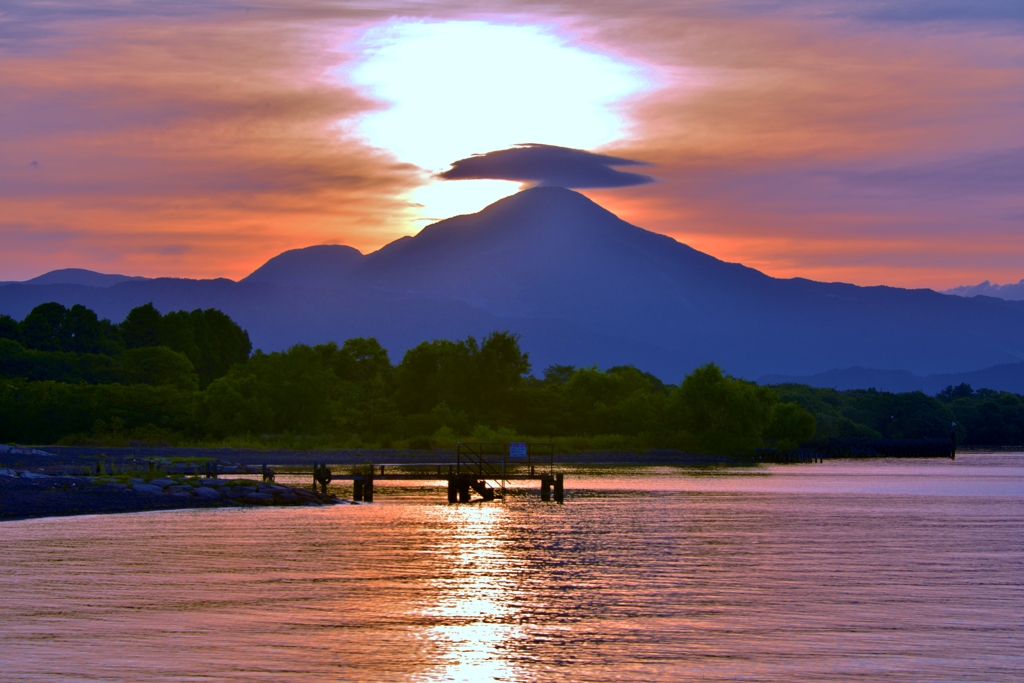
(1005, 377)
(1012, 292)
(582, 287)
(79, 276)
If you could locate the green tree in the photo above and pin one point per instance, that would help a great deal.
(500, 369)
(51, 327)
(88, 334)
(722, 414)
(951, 393)
(9, 328)
(59, 366)
(43, 328)
(141, 327)
(790, 423)
(913, 415)
(990, 418)
(482, 380)
(622, 400)
(159, 365)
(212, 341)
(435, 372)
(558, 374)
(44, 412)
(294, 391)
(367, 377)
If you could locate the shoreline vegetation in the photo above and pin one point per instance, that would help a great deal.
(190, 379)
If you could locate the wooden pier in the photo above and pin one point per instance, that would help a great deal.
(484, 468)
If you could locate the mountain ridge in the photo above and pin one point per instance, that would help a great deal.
(1002, 377)
(81, 276)
(1010, 291)
(549, 259)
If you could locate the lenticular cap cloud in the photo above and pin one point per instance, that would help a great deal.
(548, 165)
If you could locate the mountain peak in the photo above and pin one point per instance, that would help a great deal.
(546, 200)
(81, 276)
(537, 218)
(1010, 291)
(320, 266)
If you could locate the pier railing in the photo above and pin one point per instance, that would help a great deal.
(482, 459)
(493, 460)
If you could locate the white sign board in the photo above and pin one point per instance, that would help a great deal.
(517, 451)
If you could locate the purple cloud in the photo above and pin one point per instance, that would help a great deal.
(548, 165)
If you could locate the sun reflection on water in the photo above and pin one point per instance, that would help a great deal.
(475, 614)
(892, 571)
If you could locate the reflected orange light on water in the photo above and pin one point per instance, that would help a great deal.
(476, 606)
(844, 571)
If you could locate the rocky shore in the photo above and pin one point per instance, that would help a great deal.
(26, 494)
(227, 491)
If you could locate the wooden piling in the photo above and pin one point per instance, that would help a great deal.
(453, 490)
(357, 490)
(545, 488)
(368, 489)
(463, 488)
(559, 488)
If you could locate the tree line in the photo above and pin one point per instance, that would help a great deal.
(191, 377)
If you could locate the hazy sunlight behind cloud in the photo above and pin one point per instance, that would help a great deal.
(457, 88)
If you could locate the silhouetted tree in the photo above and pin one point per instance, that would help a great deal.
(951, 393)
(210, 339)
(159, 365)
(990, 418)
(9, 328)
(500, 369)
(790, 423)
(43, 328)
(141, 327)
(558, 374)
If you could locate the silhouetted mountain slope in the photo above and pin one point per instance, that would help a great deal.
(279, 317)
(581, 286)
(324, 266)
(80, 276)
(1003, 377)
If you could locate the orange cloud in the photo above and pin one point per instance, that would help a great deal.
(825, 140)
(187, 149)
(831, 148)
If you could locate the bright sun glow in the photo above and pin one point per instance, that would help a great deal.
(453, 89)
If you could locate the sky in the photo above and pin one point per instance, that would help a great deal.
(859, 141)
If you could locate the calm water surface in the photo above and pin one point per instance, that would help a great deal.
(843, 571)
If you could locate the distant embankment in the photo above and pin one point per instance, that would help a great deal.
(1004, 377)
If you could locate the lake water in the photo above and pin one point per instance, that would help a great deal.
(842, 571)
